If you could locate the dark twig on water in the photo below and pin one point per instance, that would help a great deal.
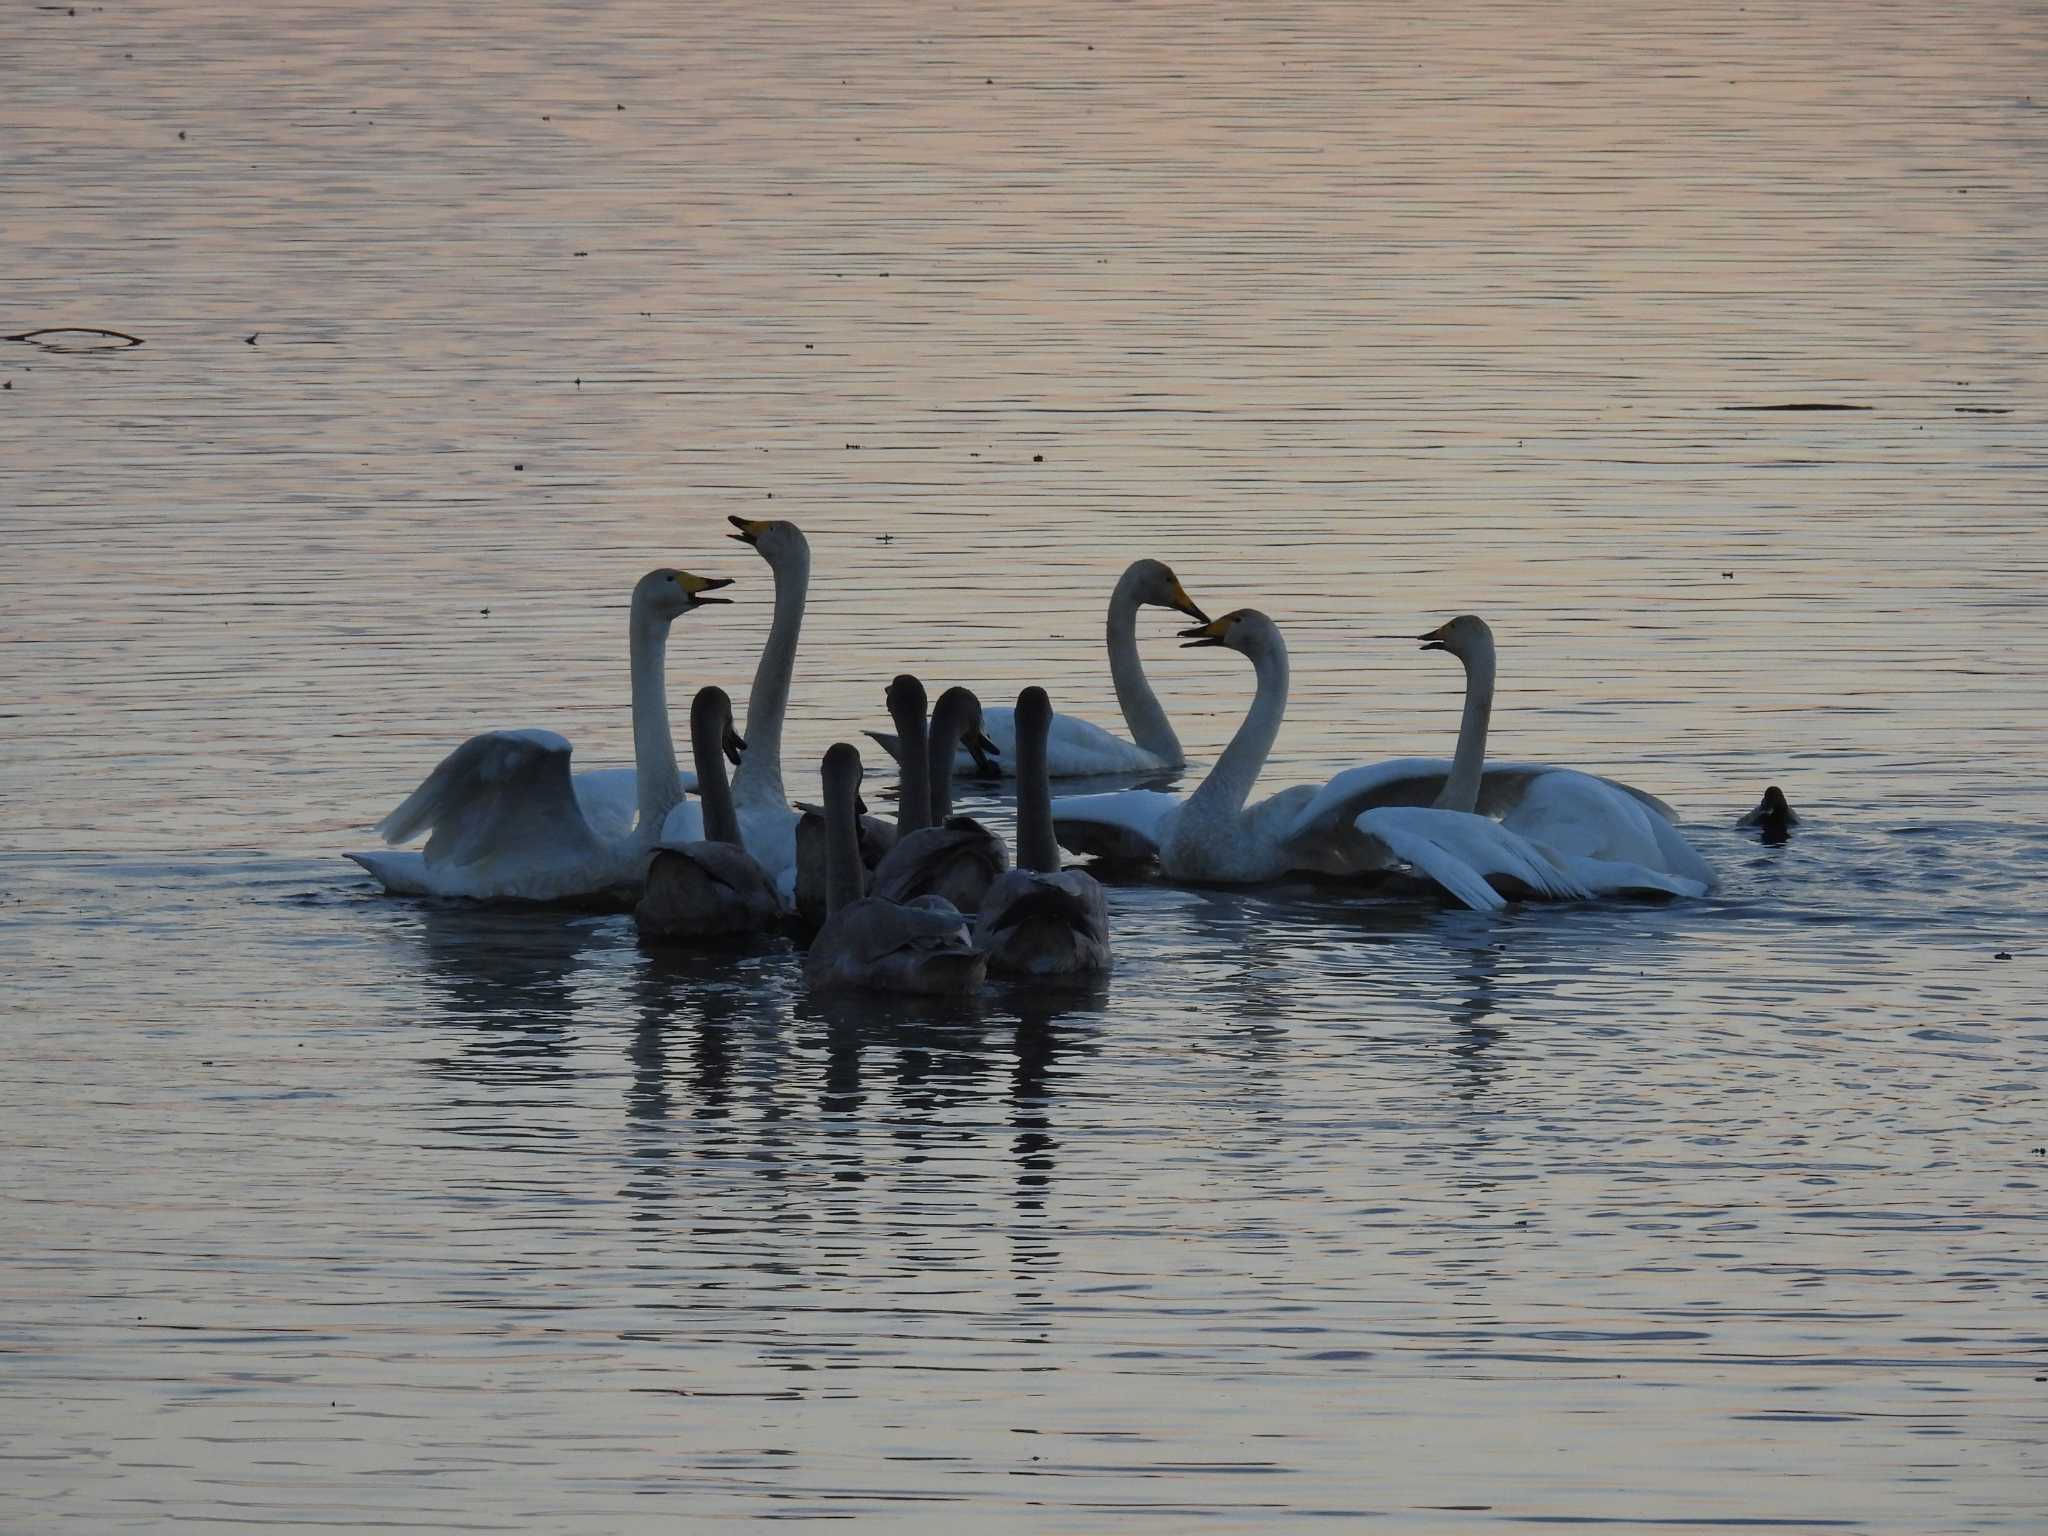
(34, 338)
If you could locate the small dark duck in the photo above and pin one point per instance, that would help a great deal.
(1774, 816)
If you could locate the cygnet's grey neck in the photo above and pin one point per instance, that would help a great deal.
(707, 751)
(1037, 847)
(843, 873)
(949, 723)
(914, 778)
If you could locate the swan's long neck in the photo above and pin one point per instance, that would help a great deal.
(843, 871)
(913, 784)
(1037, 848)
(1231, 780)
(721, 821)
(760, 772)
(1461, 789)
(1134, 696)
(940, 749)
(658, 781)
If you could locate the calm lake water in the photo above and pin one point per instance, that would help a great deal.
(327, 1209)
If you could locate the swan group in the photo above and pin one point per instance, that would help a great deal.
(933, 904)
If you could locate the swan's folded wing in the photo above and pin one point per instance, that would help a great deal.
(1608, 877)
(1683, 860)
(872, 929)
(1023, 895)
(500, 792)
(1124, 826)
(919, 861)
(1417, 781)
(1465, 853)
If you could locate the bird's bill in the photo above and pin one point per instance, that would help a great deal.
(735, 744)
(1437, 639)
(1182, 603)
(750, 529)
(697, 586)
(1210, 633)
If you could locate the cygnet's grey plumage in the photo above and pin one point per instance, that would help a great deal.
(714, 888)
(954, 856)
(870, 943)
(1040, 920)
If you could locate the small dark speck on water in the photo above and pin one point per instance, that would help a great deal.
(885, 538)
(1038, 458)
(1727, 575)
(250, 339)
(618, 106)
(2003, 954)
(8, 385)
(485, 612)
(579, 383)
(579, 253)
(519, 466)
(181, 133)
(1985, 410)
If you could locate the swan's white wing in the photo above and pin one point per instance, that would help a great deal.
(503, 793)
(1125, 825)
(1466, 854)
(1503, 788)
(610, 798)
(1607, 877)
(1400, 781)
(1587, 817)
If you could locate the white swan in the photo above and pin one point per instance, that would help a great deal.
(1038, 920)
(502, 811)
(1075, 748)
(1573, 812)
(709, 888)
(872, 944)
(954, 857)
(767, 819)
(1566, 834)
(1210, 836)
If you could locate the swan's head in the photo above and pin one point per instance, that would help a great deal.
(957, 716)
(776, 541)
(711, 720)
(1774, 814)
(905, 699)
(1242, 629)
(1034, 712)
(667, 594)
(1464, 637)
(1155, 584)
(841, 772)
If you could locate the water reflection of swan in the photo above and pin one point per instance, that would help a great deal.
(505, 977)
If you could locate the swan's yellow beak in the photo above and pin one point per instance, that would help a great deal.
(1184, 604)
(697, 586)
(1211, 633)
(1438, 639)
(750, 529)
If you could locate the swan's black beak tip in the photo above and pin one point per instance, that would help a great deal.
(735, 744)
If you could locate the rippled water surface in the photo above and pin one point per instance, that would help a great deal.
(322, 1208)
